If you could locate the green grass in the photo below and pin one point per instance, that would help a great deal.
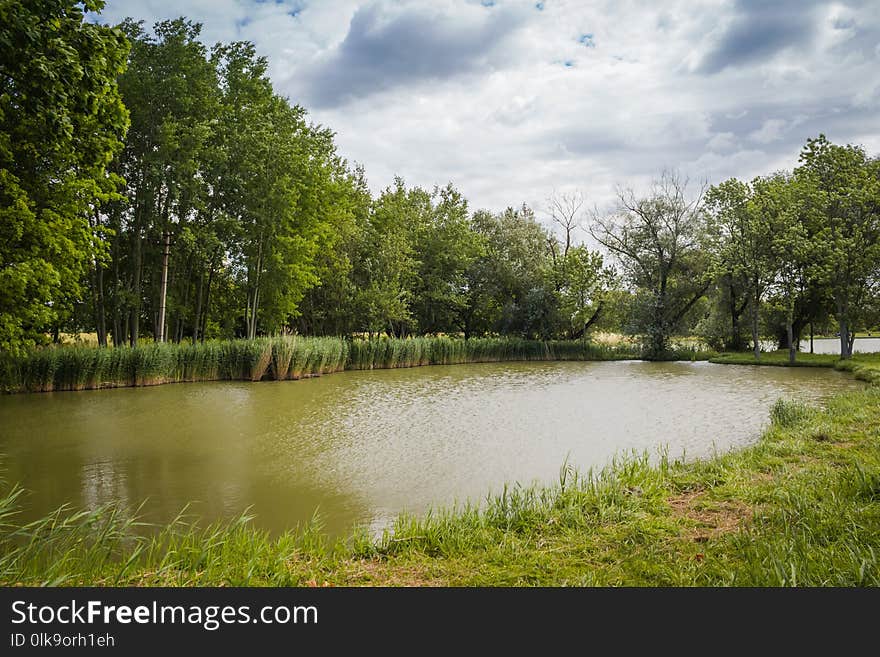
(865, 367)
(801, 507)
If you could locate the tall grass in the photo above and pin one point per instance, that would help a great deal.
(279, 358)
(385, 353)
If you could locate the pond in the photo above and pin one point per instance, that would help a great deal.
(363, 446)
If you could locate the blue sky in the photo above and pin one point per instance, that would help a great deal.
(512, 101)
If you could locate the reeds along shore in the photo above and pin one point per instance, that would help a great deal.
(277, 358)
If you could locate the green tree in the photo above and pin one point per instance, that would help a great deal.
(658, 241)
(332, 306)
(740, 245)
(61, 121)
(839, 188)
(583, 290)
(446, 248)
(277, 184)
(791, 246)
(170, 87)
(390, 263)
(509, 285)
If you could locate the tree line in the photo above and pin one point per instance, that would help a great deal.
(151, 186)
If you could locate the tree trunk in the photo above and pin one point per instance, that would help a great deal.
(736, 311)
(100, 318)
(163, 286)
(135, 312)
(198, 316)
(586, 327)
(811, 337)
(118, 338)
(789, 328)
(207, 302)
(734, 324)
(844, 337)
(184, 307)
(756, 304)
(254, 304)
(657, 330)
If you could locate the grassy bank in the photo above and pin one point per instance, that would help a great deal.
(800, 507)
(280, 358)
(865, 367)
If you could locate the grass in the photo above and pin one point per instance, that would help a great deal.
(85, 367)
(865, 367)
(279, 358)
(801, 507)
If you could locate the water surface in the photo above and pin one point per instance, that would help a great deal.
(832, 345)
(364, 446)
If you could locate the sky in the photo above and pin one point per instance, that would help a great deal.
(514, 101)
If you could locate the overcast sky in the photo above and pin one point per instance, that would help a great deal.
(513, 100)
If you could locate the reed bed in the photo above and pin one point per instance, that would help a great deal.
(277, 358)
(387, 353)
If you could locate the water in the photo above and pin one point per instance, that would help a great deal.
(832, 345)
(363, 446)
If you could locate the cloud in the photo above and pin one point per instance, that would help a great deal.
(386, 48)
(477, 93)
(759, 30)
(722, 141)
(771, 130)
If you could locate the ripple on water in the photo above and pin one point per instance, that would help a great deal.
(363, 446)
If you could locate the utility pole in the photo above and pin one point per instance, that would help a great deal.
(160, 329)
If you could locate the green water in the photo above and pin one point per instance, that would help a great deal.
(363, 446)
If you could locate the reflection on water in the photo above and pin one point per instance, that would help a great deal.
(363, 446)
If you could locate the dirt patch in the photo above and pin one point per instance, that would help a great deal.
(709, 519)
(378, 573)
(762, 477)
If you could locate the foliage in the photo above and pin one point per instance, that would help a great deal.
(224, 213)
(61, 121)
(839, 188)
(657, 239)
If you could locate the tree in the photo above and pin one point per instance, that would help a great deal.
(446, 248)
(741, 249)
(583, 292)
(171, 90)
(791, 247)
(61, 121)
(332, 307)
(390, 266)
(580, 281)
(657, 239)
(840, 190)
(565, 214)
(508, 285)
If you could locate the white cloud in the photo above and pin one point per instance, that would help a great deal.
(771, 130)
(723, 141)
(508, 103)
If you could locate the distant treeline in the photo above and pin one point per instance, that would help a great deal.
(152, 186)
